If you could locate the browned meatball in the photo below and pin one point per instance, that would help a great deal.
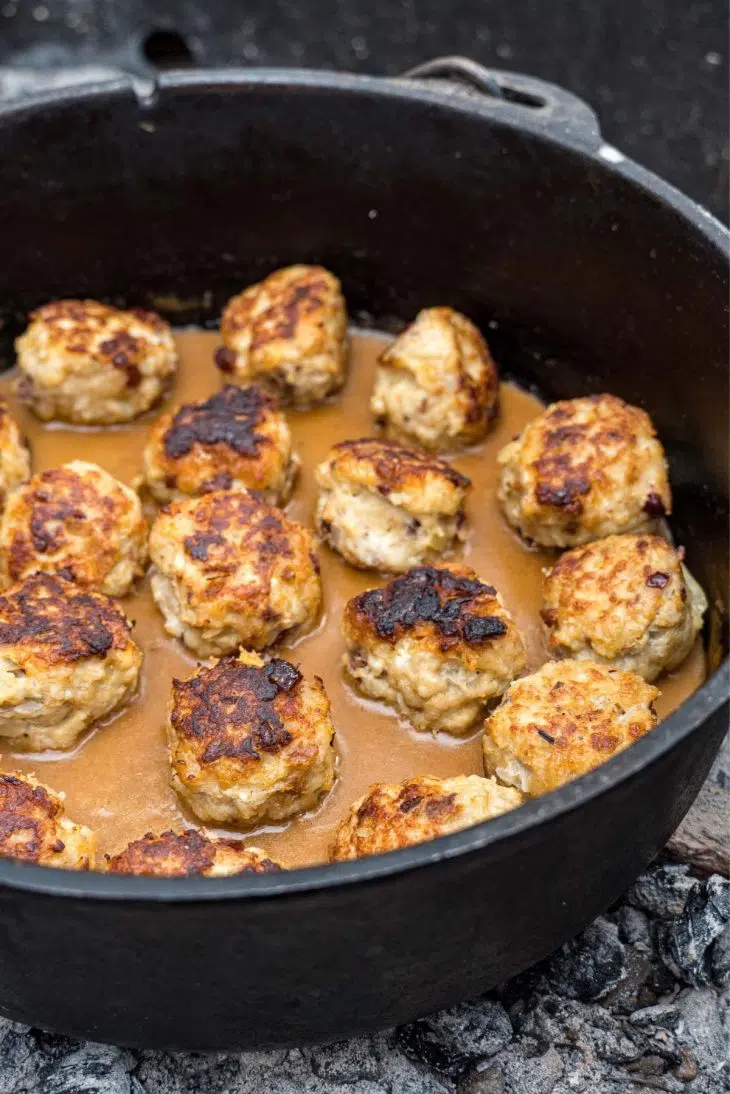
(627, 601)
(66, 660)
(14, 455)
(386, 507)
(436, 643)
(289, 334)
(238, 437)
(564, 720)
(392, 816)
(251, 741)
(436, 384)
(33, 827)
(189, 853)
(86, 362)
(584, 469)
(76, 521)
(230, 571)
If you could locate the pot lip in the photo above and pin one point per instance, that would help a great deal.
(576, 137)
(707, 701)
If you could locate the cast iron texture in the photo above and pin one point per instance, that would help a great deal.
(589, 275)
(656, 70)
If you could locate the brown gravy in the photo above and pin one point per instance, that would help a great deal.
(116, 779)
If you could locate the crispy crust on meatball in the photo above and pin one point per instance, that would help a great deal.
(564, 720)
(238, 437)
(85, 362)
(189, 853)
(436, 643)
(14, 455)
(383, 506)
(66, 660)
(33, 827)
(288, 333)
(77, 521)
(436, 384)
(230, 571)
(584, 469)
(391, 816)
(251, 742)
(624, 600)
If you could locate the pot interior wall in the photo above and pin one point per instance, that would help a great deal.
(582, 280)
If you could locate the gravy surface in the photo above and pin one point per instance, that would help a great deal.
(116, 779)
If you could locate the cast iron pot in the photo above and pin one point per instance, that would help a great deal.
(593, 275)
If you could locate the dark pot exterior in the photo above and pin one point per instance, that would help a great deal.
(593, 276)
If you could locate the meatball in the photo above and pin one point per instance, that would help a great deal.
(289, 334)
(189, 853)
(230, 570)
(564, 720)
(14, 455)
(391, 816)
(85, 362)
(66, 660)
(238, 437)
(436, 644)
(626, 601)
(33, 827)
(584, 469)
(251, 742)
(77, 521)
(436, 384)
(385, 507)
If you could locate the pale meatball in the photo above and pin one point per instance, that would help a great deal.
(626, 601)
(385, 507)
(14, 455)
(584, 469)
(66, 660)
(33, 827)
(85, 362)
(189, 854)
(437, 644)
(238, 437)
(563, 720)
(289, 334)
(77, 521)
(436, 384)
(230, 570)
(251, 741)
(391, 816)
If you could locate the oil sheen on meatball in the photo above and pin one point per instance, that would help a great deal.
(251, 741)
(436, 385)
(85, 362)
(77, 521)
(230, 571)
(238, 437)
(391, 816)
(386, 507)
(584, 469)
(66, 660)
(14, 455)
(289, 334)
(188, 854)
(437, 644)
(564, 720)
(625, 600)
(33, 827)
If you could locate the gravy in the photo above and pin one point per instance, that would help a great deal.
(116, 779)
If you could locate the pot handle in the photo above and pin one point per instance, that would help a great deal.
(550, 106)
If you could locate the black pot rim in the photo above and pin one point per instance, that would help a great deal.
(703, 704)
